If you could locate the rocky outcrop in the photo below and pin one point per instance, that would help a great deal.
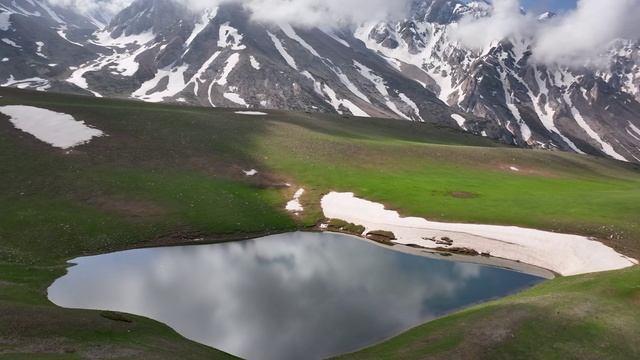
(381, 236)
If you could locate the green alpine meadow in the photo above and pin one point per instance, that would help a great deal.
(164, 175)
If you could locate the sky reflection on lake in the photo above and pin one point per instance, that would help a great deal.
(290, 296)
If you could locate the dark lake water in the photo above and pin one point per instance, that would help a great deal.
(290, 296)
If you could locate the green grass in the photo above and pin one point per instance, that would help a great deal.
(586, 317)
(553, 191)
(170, 174)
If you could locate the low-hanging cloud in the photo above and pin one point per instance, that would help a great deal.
(506, 21)
(585, 33)
(107, 8)
(574, 38)
(320, 13)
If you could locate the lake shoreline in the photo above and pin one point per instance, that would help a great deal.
(182, 239)
(302, 266)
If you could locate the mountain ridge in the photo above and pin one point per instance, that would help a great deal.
(157, 50)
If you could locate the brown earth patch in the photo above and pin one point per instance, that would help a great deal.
(635, 298)
(132, 208)
(463, 195)
(479, 335)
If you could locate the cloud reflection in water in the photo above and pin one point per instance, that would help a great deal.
(290, 296)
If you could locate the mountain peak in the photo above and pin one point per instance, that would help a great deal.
(147, 15)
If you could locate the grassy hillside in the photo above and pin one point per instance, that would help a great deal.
(170, 174)
(592, 316)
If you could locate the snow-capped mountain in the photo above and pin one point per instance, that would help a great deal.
(39, 44)
(541, 106)
(157, 50)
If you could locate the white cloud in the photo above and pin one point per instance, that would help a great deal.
(320, 13)
(575, 37)
(107, 8)
(585, 33)
(506, 21)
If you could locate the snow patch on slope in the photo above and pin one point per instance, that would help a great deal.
(337, 102)
(62, 32)
(231, 63)
(606, 147)
(525, 131)
(28, 83)
(254, 63)
(230, 37)
(234, 97)
(57, 129)
(5, 21)
(460, 120)
(563, 253)
(546, 114)
(283, 52)
(335, 37)
(294, 204)
(175, 84)
(104, 38)
(634, 131)
(251, 113)
(411, 104)
(290, 32)
(201, 25)
(380, 86)
(11, 43)
(40, 45)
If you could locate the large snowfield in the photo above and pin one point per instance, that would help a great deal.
(564, 254)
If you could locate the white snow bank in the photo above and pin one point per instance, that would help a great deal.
(32, 83)
(233, 97)
(255, 113)
(337, 38)
(230, 37)
(5, 21)
(459, 119)
(207, 16)
(231, 63)
(513, 168)
(634, 131)
(103, 38)
(11, 43)
(606, 147)
(294, 204)
(283, 52)
(39, 52)
(251, 172)
(562, 253)
(254, 63)
(58, 129)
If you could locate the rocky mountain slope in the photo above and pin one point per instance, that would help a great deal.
(157, 50)
(541, 106)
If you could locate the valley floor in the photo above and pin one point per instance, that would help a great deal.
(169, 174)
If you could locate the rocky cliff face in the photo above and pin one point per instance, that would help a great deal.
(157, 50)
(581, 110)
